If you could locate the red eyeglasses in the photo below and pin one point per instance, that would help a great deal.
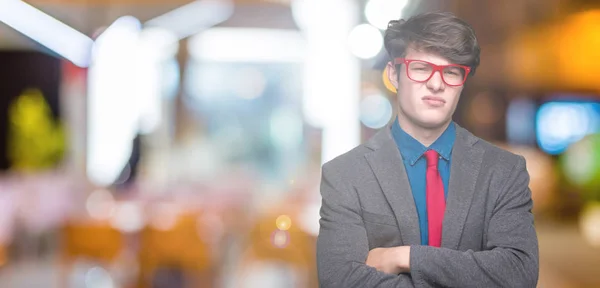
(422, 71)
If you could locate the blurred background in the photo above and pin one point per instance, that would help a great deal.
(149, 143)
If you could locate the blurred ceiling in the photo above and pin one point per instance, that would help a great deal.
(88, 16)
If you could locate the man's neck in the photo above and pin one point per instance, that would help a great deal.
(425, 136)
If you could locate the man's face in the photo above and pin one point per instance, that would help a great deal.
(428, 104)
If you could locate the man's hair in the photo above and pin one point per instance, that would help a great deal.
(440, 33)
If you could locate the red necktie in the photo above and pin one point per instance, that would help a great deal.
(436, 202)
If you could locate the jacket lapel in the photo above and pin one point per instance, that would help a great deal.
(464, 170)
(386, 163)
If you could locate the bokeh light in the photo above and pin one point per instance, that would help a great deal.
(365, 41)
(128, 217)
(100, 204)
(559, 124)
(98, 277)
(375, 111)
(164, 216)
(589, 223)
(581, 163)
(283, 222)
(280, 239)
(380, 12)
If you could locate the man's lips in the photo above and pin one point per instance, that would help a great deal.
(433, 99)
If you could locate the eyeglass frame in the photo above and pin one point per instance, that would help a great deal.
(440, 68)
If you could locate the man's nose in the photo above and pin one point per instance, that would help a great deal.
(436, 82)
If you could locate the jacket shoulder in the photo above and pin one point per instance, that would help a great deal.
(499, 156)
(348, 159)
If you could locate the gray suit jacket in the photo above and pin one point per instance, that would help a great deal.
(488, 237)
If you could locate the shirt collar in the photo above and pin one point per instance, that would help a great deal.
(412, 150)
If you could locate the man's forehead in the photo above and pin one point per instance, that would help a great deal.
(420, 54)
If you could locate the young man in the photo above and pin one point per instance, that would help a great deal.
(424, 203)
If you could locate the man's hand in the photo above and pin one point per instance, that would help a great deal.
(394, 260)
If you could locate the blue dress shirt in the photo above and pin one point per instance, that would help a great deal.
(416, 166)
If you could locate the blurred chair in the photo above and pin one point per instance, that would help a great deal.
(95, 241)
(3, 256)
(275, 240)
(171, 251)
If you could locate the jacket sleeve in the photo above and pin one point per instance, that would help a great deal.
(342, 245)
(510, 258)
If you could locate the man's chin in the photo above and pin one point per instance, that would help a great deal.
(431, 121)
(434, 124)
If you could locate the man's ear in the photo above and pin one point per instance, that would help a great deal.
(391, 75)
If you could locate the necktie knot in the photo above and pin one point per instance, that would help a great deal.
(432, 158)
